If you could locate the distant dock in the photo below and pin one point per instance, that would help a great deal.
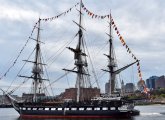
(6, 106)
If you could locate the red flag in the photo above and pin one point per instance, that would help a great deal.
(90, 14)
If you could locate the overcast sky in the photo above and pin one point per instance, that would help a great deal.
(140, 22)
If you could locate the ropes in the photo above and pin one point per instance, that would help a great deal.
(57, 79)
(93, 70)
(15, 61)
(20, 70)
(60, 52)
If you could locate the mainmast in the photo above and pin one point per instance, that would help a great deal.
(80, 60)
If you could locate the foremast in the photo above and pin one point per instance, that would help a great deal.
(112, 64)
(37, 71)
(80, 61)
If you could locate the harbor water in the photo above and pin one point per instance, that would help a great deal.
(149, 112)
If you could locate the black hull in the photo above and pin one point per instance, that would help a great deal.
(76, 114)
(110, 109)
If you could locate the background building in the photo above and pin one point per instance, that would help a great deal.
(160, 82)
(107, 88)
(150, 82)
(129, 88)
(5, 101)
(86, 93)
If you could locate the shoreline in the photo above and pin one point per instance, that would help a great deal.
(6, 106)
(137, 104)
(150, 103)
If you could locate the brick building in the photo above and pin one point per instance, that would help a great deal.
(86, 93)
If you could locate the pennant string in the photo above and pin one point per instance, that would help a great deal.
(62, 14)
(129, 51)
(91, 14)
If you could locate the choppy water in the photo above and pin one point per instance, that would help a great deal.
(151, 112)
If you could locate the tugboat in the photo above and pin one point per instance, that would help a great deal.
(86, 102)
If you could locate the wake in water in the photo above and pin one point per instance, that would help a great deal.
(152, 114)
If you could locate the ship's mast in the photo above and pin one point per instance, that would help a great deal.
(80, 60)
(37, 71)
(111, 60)
(37, 68)
(112, 64)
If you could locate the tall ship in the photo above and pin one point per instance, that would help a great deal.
(83, 101)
